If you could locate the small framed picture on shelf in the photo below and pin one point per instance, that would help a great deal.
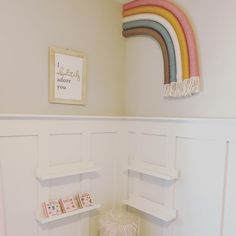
(68, 204)
(52, 208)
(85, 199)
(67, 76)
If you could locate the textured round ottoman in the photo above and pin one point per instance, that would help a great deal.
(118, 223)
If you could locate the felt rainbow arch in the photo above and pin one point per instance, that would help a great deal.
(166, 23)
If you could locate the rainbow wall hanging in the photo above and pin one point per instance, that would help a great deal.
(167, 24)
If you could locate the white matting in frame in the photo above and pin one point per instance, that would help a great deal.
(67, 76)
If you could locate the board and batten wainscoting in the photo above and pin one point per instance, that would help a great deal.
(177, 174)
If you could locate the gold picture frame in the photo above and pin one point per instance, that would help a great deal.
(67, 76)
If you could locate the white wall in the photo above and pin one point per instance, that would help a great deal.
(28, 144)
(94, 27)
(29, 27)
(215, 30)
(203, 151)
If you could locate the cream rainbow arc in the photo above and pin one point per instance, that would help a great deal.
(152, 17)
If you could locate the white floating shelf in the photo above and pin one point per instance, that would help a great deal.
(44, 220)
(65, 170)
(152, 208)
(154, 170)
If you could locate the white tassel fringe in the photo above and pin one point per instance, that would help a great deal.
(186, 88)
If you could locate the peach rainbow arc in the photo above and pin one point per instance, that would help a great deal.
(172, 33)
(182, 18)
(177, 24)
(167, 38)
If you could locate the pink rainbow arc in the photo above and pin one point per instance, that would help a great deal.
(182, 18)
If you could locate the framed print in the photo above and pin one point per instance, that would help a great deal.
(67, 76)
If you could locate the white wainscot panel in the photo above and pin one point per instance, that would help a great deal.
(154, 189)
(230, 194)
(104, 152)
(65, 148)
(66, 187)
(151, 226)
(69, 226)
(131, 144)
(199, 191)
(18, 157)
(149, 187)
(152, 148)
(147, 147)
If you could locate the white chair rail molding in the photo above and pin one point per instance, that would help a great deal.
(177, 175)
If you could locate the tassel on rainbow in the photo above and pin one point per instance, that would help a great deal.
(166, 23)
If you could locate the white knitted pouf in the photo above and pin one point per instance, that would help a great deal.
(118, 223)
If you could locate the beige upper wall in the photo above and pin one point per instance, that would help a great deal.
(214, 23)
(29, 27)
